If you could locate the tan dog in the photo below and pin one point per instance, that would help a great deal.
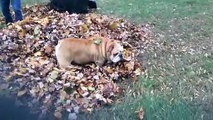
(82, 51)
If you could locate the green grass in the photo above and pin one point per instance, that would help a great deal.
(178, 81)
(155, 108)
(32, 2)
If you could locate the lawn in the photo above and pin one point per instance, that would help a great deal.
(178, 81)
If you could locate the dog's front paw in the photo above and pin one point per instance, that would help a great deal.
(100, 63)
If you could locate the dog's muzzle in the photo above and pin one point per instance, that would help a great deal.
(117, 58)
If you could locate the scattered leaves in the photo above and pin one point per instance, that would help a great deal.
(27, 49)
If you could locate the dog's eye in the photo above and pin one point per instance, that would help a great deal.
(115, 54)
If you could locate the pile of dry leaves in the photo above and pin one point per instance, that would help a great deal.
(29, 63)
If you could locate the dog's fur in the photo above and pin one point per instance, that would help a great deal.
(72, 6)
(83, 51)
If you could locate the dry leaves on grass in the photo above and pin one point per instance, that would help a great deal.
(27, 51)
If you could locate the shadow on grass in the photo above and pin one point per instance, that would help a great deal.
(10, 111)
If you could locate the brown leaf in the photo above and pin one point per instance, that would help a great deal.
(43, 60)
(48, 49)
(58, 115)
(108, 69)
(22, 33)
(130, 66)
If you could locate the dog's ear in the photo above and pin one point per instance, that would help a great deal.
(110, 47)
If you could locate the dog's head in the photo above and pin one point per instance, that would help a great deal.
(115, 51)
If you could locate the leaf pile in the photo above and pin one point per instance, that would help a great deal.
(27, 51)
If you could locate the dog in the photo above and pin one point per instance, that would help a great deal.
(72, 6)
(94, 49)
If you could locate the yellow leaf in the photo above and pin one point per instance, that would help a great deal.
(84, 28)
(97, 41)
(137, 71)
(83, 88)
(54, 75)
(114, 25)
(89, 109)
(27, 6)
(37, 30)
(91, 88)
(37, 53)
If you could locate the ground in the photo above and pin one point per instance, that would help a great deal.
(178, 81)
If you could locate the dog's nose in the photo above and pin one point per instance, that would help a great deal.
(121, 56)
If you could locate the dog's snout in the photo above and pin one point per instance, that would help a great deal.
(121, 55)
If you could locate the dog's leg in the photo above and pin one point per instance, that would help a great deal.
(63, 63)
(100, 63)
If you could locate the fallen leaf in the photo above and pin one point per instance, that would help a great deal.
(130, 66)
(37, 54)
(37, 30)
(58, 115)
(114, 25)
(48, 49)
(21, 93)
(22, 33)
(108, 69)
(53, 75)
(140, 114)
(137, 72)
(97, 41)
(91, 88)
(84, 28)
